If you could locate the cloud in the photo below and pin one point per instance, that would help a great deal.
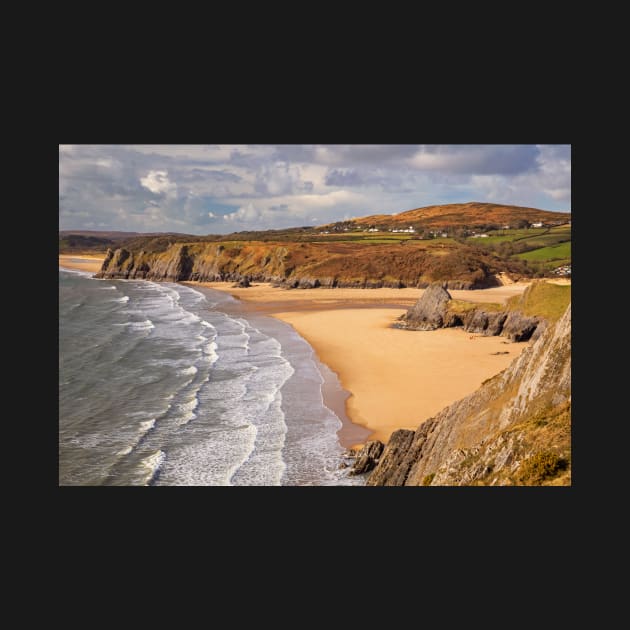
(189, 188)
(280, 178)
(158, 183)
(476, 160)
(343, 177)
(246, 215)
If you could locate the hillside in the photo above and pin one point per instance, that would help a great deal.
(412, 264)
(514, 430)
(444, 244)
(463, 215)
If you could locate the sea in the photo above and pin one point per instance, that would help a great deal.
(163, 384)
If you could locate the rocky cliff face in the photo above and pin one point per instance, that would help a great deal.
(514, 430)
(429, 312)
(306, 265)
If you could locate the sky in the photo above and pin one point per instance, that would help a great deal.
(219, 189)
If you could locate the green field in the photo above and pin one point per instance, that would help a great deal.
(542, 299)
(559, 252)
(533, 236)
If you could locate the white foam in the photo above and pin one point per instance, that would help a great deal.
(147, 424)
(122, 300)
(125, 451)
(85, 274)
(189, 371)
(147, 324)
(211, 350)
(108, 288)
(152, 464)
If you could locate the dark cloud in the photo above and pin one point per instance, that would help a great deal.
(477, 159)
(198, 174)
(374, 153)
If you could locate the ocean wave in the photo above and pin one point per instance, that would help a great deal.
(213, 460)
(147, 324)
(152, 465)
(108, 289)
(121, 300)
(85, 274)
(147, 425)
(211, 351)
(187, 410)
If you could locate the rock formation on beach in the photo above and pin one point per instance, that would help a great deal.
(436, 309)
(429, 312)
(514, 430)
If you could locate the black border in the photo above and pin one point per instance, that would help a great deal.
(356, 519)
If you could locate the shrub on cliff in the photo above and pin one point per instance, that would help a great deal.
(539, 467)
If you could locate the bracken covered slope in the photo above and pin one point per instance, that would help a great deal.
(414, 264)
(514, 430)
(472, 214)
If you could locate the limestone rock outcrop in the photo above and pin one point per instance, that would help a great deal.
(367, 457)
(429, 311)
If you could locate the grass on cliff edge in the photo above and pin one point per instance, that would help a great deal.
(460, 306)
(542, 299)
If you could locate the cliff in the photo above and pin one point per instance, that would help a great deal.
(514, 430)
(307, 265)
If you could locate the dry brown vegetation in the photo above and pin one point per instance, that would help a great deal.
(463, 215)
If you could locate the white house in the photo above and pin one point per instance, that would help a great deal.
(537, 224)
(409, 230)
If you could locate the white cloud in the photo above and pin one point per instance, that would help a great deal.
(280, 178)
(247, 214)
(158, 183)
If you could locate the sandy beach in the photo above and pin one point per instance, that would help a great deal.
(269, 298)
(396, 378)
(81, 262)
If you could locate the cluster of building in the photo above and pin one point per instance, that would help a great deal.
(409, 230)
(565, 270)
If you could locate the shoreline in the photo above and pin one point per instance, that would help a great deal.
(383, 377)
(388, 378)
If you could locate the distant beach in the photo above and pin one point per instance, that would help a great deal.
(81, 262)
